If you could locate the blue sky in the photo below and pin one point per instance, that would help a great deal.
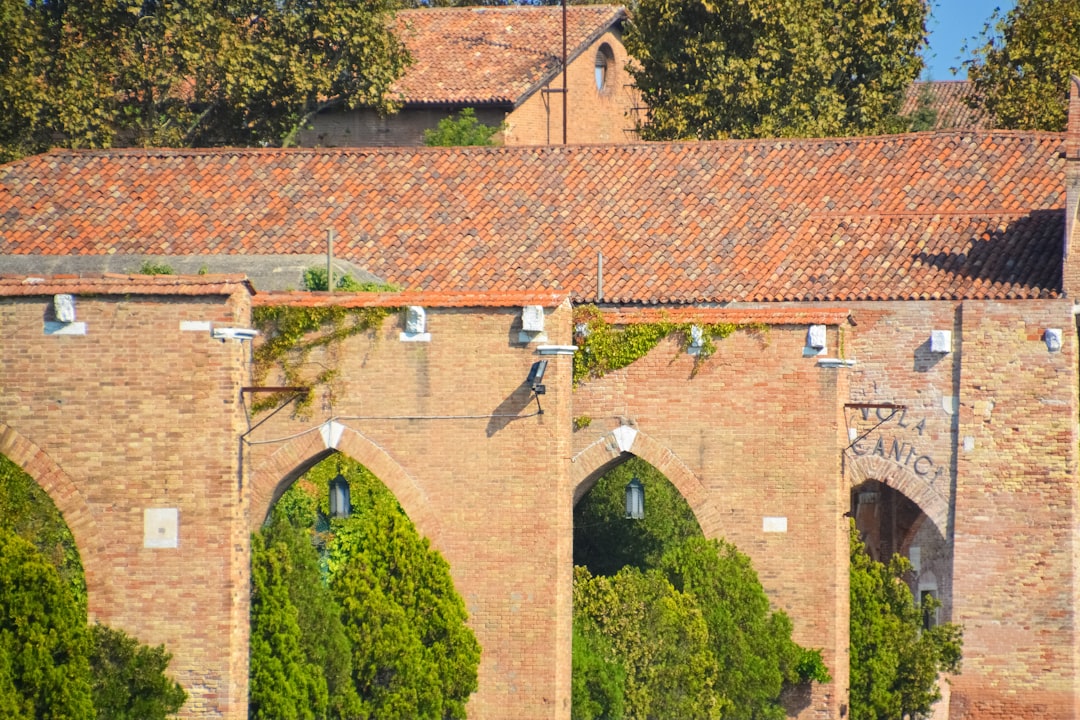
(950, 23)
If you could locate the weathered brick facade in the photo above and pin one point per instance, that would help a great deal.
(139, 414)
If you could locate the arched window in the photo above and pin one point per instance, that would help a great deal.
(605, 67)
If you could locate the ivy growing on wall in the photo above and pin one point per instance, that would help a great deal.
(290, 334)
(603, 347)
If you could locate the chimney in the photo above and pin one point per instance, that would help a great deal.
(1071, 270)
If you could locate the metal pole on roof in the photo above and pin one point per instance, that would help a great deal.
(330, 260)
(564, 98)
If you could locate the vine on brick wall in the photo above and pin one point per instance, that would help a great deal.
(603, 348)
(291, 333)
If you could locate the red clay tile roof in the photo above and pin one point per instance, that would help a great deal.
(485, 55)
(111, 284)
(928, 215)
(422, 298)
(948, 99)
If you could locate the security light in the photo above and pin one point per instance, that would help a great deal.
(536, 377)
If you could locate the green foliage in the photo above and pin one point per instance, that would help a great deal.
(389, 634)
(753, 645)
(29, 512)
(462, 129)
(413, 655)
(604, 541)
(597, 681)
(129, 678)
(658, 635)
(290, 334)
(1021, 71)
(152, 268)
(710, 69)
(322, 635)
(582, 421)
(187, 72)
(894, 661)
(603, 348)
(283, 684)
(315, 280)
(635, 576)
(44, 642)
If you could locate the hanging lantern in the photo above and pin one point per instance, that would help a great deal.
(340, 502)
(635, 500)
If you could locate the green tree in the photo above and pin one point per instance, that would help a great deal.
(605, 541)
(322, 635)
(23, 84)
(895, 661)
(187, 72)
(710, 69)
(413, 654)
(658, 635)
(1021, 71)
(283, 684)
(29, 512)
(129, 678)
(44, 641)
(462, 129)
(753, 646)
(314, 279)
(597, 681)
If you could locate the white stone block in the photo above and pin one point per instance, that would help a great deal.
(161, 528)
(815, 337)
(532, 318)
(941, 341)
(64, 308)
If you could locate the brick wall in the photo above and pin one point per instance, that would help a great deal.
(137, 414)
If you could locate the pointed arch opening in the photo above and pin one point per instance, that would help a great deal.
(354, 613)
(891, 523)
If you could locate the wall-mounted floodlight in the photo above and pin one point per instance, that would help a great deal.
(340, 500)
(241, 334)
(536, 377)
(635, 500)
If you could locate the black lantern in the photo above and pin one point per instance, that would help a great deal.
(340, 502)
(635, 500)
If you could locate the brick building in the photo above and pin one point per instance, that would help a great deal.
(506, 63)
(910, 360)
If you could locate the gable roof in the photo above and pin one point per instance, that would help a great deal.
(492, 55)
(927, 215)
(948, 99)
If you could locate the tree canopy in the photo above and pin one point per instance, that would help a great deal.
(712, 69)
(187, 73)
(462, 129)
(354, 617)
(667, 623)
(895, 660)
(1021, 71)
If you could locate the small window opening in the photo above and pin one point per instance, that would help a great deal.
(605, 64)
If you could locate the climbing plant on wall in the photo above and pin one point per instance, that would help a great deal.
(289, 336)
(603, 347)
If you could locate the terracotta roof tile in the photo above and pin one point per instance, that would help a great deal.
(405, 298)
(485, 55)
(948, 98)
(928, 215)
(111, 284)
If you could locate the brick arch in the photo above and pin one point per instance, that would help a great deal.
(898, 477)
(624, 442)
(274, 475)
(64, 493)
